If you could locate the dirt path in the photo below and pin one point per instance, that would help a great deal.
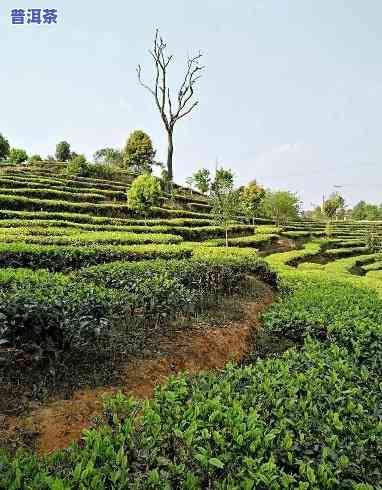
(59, 422)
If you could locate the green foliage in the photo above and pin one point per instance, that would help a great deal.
(329, 229)
(366, 211)
(112, 238)
(4, 147)
(333, 205)
(139, 153)
(269, 229)
(53, 194)
(223, 181)
(245, 241)
(44, 312)
(52, 311)
(373, 239)
(306, 419)
(16, 155)
(63, 153)
(225, 200)
(78, 166)
(202, 179)
(59, 258)
(250, 199)
(108, 156)
(144, 193)
(280, 206)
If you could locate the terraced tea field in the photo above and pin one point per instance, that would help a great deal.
(87, 284)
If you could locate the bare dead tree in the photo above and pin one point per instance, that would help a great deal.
(161, 92)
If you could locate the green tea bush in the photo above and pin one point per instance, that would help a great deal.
(245, 241)
(269, 229)
(200, 273)
(45, 313)
(13, 202)
(42, 308)
(64, 258)
(328, 310)
(54, 194)
(43, 218)
(305, 420)
(346, 252)
(47, 175)
(21, 226)
(296, 234)
(33, 186)
(111, 238)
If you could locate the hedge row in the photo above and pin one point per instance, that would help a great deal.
(204, 273)
(63, 178)
(309, 419)
(375, 266)
(113, 210)
(44, 218)
(53, 227)
(64, 258)
(54, 194)
(245, 241)
(114, 234)
(116, 238)
(346, 251)
(57, 310)
(69, 182)
(16, 184)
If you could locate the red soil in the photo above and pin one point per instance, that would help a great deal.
(58, 422)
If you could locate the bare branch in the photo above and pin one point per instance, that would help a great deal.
(188, 110)
(161, 92)
(139, 72)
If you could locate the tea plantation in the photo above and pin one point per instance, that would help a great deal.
(75, 260)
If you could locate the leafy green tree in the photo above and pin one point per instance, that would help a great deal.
(366, 211)
(280, 206)
(224, 179)
(144, 193)
(250, 199)
(17, 155)
(78, 166)
(138, 154)
(225, 200)
(4, 147)
(63, 151)
(108, 156)
(202, 179)
(333, 205)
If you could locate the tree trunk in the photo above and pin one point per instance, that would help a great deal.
(170, 152)
(226, 237)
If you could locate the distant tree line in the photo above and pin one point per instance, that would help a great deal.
(334, 208)
(138, 155)
(249, 201)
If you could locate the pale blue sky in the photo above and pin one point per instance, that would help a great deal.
(291, 95)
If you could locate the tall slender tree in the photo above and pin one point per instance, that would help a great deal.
(171, 112)
(4, 147)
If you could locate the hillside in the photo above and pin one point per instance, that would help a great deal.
(95, 299)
